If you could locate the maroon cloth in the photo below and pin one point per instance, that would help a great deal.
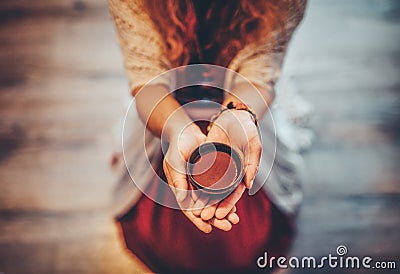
(166, 241)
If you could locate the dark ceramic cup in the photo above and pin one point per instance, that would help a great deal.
(215, 168)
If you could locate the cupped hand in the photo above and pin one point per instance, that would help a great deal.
(237, 129)
(182, 143)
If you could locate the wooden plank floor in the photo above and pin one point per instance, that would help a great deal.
(61, 90)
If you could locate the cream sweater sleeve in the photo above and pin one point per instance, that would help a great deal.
(260, 63)
(140, 44)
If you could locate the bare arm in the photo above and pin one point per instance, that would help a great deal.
(160, 111)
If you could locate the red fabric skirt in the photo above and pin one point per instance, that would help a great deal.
(166, 241)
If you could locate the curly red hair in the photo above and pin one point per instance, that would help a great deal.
(233, 24)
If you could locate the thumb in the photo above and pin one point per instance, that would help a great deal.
(178, 182)
(253, 162)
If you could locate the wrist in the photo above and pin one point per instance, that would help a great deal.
(234, 117)
(237, 111)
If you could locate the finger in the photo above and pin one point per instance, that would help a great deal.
(208, 212)
(198, 222)
(196, 194)
(226, 205)
(232, 210)
(233, 218)
(188, 202)
(254, 156)
(178, 182)
(200, 205)
(223, 224)
(166, 172)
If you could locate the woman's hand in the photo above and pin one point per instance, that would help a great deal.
(182, 143)
(237, 129)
